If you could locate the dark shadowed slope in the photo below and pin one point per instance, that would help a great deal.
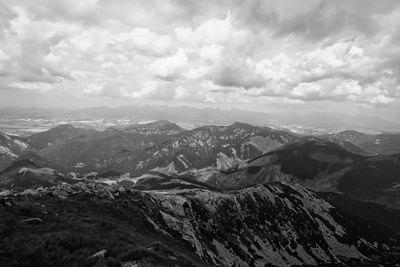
(317, 164)
(306, 161)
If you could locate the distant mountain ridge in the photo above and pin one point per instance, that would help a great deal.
(60, 133)
(141, 147)
(89, 150)
(213, 116)
(201, 147)
(156, 127)
(318, 165)
(385, 143)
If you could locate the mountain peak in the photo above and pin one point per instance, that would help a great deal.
(240, 124)
(317, 147)
(155, 127)
(59, 133)
(163, 122)
(112, 130)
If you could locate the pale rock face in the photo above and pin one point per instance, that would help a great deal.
(276, 224)
(11, 147)
(6, 151)
(24, 146)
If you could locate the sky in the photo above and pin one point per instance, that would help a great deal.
(337, 56)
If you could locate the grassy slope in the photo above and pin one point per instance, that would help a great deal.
(75, 228)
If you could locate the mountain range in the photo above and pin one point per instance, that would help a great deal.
(235, 195)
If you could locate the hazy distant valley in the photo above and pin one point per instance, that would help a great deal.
(25, 121)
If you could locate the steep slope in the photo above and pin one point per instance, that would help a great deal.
(375, 179)
(372, 173)
(318, 165)
(11, 147)
(349, 146)
(368, 213)
(273, 225)
(353, 148)
(306, 161)
(382, 144)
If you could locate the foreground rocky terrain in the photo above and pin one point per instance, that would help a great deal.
(88, 224)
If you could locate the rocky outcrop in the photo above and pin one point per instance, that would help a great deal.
(275, 224)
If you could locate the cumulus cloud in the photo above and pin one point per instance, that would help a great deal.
(198, 51)
(338, 72)
(233, 72)
(169, 67)
(143, 40)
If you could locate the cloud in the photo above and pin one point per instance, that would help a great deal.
(198, 51)
(154, 90)
(211, 52)
(144, 41)
(25, 46)
(341, 71)
(316, 19)
(211, 31)
(170, 67)
(232, 72)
